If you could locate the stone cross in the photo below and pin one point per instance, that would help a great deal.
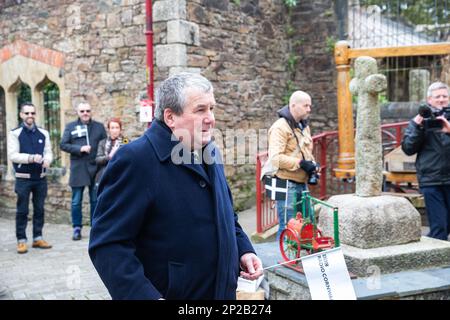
(366, 84)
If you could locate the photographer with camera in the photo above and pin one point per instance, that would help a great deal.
(290, 152)
(428, 136)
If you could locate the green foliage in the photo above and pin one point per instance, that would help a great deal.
(292, 62)
(52, 119)
(23, 95)
(297, 43)
(290, 3)
(237, 2)
(330, 43)
(290, 88)
(382, 98)
(293, 58)
(413, 11)
(290, 31)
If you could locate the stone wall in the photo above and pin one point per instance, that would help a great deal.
(244, 50)
(2, 129)
(241, 46)
(103, 45)
(315, 26)
(57, 204)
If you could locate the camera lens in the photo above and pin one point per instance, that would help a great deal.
(313, 179)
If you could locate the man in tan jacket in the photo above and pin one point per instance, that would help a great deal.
(290, 151)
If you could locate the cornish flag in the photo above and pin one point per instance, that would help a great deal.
(80, 131)
(276, 189)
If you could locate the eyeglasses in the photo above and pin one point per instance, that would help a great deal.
(28, 113)
(85, 111)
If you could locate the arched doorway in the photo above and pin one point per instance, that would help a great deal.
(22, 92)
(52, 116)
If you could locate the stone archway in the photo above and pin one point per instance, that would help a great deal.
(32, 64)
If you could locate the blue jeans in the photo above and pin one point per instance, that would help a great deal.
(437, 204)
(77, 202)
(293, 189)
(23, 189)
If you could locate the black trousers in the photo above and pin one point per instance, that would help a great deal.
(38, 190)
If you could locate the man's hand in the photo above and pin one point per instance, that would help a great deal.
(86, 149)
(37, 158)
(418, 119)
(445, 124)
(45, 164)
(251, 266)
(308, 166)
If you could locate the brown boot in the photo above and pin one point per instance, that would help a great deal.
(41, 244)
(22, 247)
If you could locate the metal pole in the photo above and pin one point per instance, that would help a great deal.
(337, 241)
(149, 36)
(259, 228)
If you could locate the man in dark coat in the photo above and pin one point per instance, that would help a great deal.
(164, 226)
(81, 139)
(432, 163)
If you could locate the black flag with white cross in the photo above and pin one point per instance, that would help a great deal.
(276, 189)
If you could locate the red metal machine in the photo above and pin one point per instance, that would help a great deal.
(302, 236)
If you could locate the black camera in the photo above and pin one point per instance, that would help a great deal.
(313, 177)
(429, 116)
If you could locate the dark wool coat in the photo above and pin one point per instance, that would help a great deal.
(162, 229)
(82, 165)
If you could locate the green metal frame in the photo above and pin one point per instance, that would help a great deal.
(307, 203)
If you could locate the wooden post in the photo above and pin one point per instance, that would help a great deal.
(346, 158)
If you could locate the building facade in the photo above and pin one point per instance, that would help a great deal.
(57, 53)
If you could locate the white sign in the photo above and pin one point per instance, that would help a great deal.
(327, 276)
(249, 285)
(145, 114)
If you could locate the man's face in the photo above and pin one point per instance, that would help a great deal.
(301, 109)
(84, 112)
(195, 125)
(439, 98)
(28, 115)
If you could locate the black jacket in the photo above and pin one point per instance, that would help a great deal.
(433, 154)
(82, 165)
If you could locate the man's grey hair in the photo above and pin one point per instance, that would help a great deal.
(83, 104)
(436, 86)
(171, 92)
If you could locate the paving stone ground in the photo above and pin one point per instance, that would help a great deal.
(64, 272)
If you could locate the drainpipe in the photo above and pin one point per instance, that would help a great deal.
(149, 36)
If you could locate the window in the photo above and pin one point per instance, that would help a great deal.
(23, 95)
(52, 119)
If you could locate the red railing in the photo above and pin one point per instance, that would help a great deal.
(325, 152)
